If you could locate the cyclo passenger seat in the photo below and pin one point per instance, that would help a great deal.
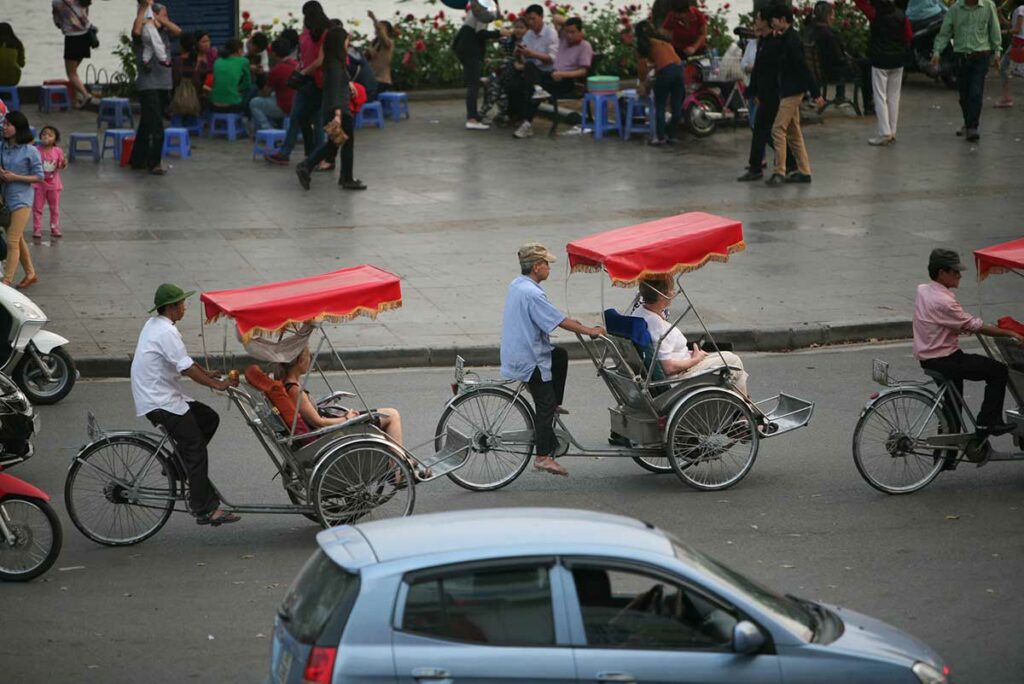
(277, 395)
(634, 329)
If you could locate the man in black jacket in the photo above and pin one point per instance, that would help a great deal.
(795, 80)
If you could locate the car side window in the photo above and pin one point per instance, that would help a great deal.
(634, 610)
(494, 605)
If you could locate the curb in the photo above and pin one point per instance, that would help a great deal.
(742, 339)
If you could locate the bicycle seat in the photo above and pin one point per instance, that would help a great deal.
(935, 375)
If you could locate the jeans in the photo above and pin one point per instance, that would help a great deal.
(960, 366)
(668, 87)
(546, 396)
(191, 433)
(304, 118)
(970, 78)
(265, 112)
(786, 134)
(471, 70)
(149, 138)
(327, 150)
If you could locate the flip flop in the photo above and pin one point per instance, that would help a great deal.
(214, 520)
(552, 468)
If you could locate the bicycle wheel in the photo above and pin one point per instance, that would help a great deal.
(37, 537)
(655, 464)
(119, 491)
(712, 440)
(888, 442)
(500, 431)
(362, 481)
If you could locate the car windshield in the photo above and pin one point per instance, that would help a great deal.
(791, 614)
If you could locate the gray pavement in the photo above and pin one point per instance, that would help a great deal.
(446, 209)
(197, 604)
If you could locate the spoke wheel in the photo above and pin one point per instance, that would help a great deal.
(361, 482)
(655, 464)
(105, 487)
(712, 440)
(500, 431)
(888, 444)
(36, 538)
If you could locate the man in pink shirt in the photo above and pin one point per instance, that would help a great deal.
(938, 322)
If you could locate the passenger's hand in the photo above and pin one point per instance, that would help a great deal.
(698, 353)
(1019, 338)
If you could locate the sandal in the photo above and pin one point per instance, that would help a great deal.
(215, 520)
(550, 466)
(28, 281)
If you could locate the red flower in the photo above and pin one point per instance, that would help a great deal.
(511, 16)
(549, 3)
(627, 38)
(440, 15)
(407, 59)
(725, 6)
(246, 15)
(436, 25)
(846, 23)
(247, 26)
(419, 45)
(410, 17)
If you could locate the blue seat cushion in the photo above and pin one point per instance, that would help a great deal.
(634, 329)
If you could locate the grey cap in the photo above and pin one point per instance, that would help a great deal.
(945, 259)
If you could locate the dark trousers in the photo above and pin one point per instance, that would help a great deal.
(970, 79)
(668, 89)
(472, 67)
(304, 119)
(328, 150)
(960, 366)
(532, 76)
(859, 68)
(767, 108)
(149, 138)
(546, 396)
(191, 433)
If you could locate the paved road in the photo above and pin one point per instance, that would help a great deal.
(196, 604)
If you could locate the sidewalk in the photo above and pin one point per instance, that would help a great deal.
(832, 261)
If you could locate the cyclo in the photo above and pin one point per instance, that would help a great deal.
(909, 432)
(695, 425)
(123, 485)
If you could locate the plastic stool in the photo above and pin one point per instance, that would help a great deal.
(636, 106)
(268, 141)
(600, 124)
(53, 97)
(34, 135)
(116, 112)
(232, 125)
(396, 104)
(91, 139)
(193, 124)
(113, 138)
(176, 141)
(9, 94)
(371, 113)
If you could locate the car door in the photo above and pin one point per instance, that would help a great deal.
(482, 623)
(634, 623)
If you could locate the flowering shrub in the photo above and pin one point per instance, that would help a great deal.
(272, 28)
(850, 24)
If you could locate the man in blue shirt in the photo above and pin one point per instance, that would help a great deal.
(527, 354)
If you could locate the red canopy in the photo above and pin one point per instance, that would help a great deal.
(337, 296)
(664, 247)
(999, 258)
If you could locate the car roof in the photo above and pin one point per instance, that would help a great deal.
(486, 530)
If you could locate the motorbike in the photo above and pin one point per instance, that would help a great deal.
(33, 357)
(919, 52)
(30, 531)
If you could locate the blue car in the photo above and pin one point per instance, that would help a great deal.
(560, 596)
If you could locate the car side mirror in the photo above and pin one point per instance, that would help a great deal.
(747, 638)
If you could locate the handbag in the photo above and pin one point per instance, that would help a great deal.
(301, 83)
(94, 36)
(335, 132)
(185, 101)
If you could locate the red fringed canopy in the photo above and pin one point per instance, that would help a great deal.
(999, 258)
(665, 247)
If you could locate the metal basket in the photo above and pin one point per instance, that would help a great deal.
(880, 372)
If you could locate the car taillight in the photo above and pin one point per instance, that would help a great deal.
(319, 665)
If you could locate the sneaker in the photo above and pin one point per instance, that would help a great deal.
(973, 135)
(776, 179)
(525, 130)
(797, 177)
(304, 176)
(540, 94)
(1004, 103)
(55, 232)
(354, 184)
(276, 159)
(38, 234)
(880, 140)
(476, 126)
(750, 176)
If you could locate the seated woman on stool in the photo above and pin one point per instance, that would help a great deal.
(675, 357)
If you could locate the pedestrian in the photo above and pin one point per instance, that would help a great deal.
(795, 80)
(687, 27)
(889, 36)
(72, 18)
(12, 56)
(655, 53)
(337, 113)
(20, 169)
(153, 85)
(470, 46)
(48, 191)
(1008, 65)
(973, 26)
(381, 51)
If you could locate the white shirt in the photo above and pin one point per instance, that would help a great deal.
(160, 359)
(545, 42)
(673, 347)
(1017, 14)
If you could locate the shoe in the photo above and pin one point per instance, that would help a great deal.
(881, 140)
(993, 430)
(303, 173)
(55, 233)
(276, 159)
(215, 520)
(750, 176)
(476, 126)
(354, 184)
(962, 132)
(776, 179)
(797, 177)
(540, 94)
(30, 280)
(1004, 103)
(37, 234)
(158, 171)
(525, 130)
(656, 142)
(550, 466)
(615, 439)
(973, 135)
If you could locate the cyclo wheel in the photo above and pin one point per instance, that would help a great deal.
(884, 448)
(98, 495)
(485, 414)
(365, 480)
(655, 464)
(712, 440)
(37, 538)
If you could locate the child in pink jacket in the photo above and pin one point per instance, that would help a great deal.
(48, 192)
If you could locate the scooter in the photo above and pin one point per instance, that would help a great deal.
(30, 531)
(34, 358)
(919, 52)
(710, 100)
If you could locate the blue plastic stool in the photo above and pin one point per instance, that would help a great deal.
(113, 138)
(9, 94)
(600, 124)
(116, 112)
(371, 113)
(177, 141)
(636, 106)
(193, 124)
(268, 141)
(90, 139)
(232, 125)
(53, 97)
(396, 105)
